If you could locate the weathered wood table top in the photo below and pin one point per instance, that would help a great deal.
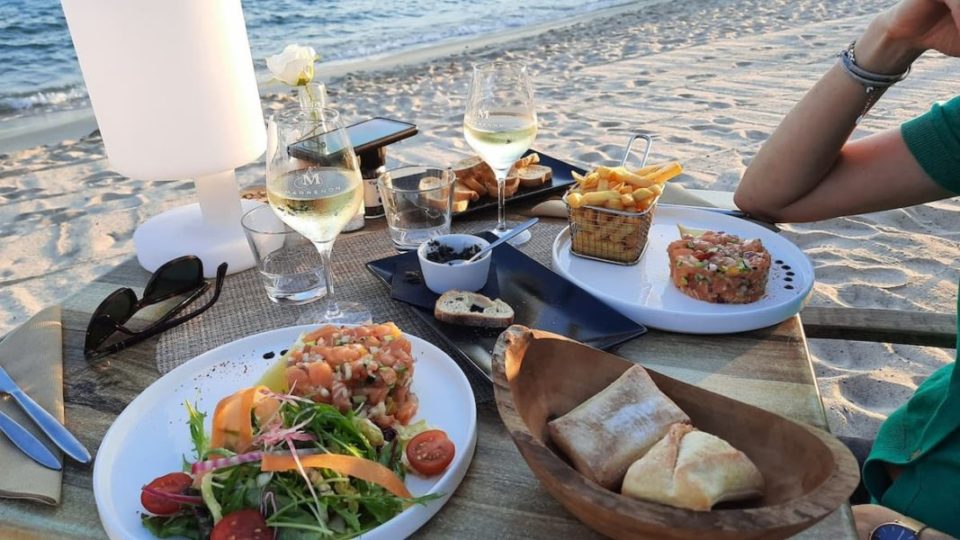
(499, 498)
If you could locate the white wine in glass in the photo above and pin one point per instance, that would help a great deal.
(316, 202)
(316, 197)
(500, 123)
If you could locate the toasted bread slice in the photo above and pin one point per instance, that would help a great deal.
(530, 159)
(459, 206)
(463, 193)
(470, 182)
(533, 176)
(472, 309)
(473, 167)
(510, 185)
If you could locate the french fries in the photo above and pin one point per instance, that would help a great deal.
(618, 188)
(615, 236)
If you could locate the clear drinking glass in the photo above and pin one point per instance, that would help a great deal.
(289, 265)
(500, 123)
(417, 202)
(317, 196)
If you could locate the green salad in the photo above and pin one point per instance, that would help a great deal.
(282, 466)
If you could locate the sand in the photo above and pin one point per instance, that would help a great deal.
(710, 79)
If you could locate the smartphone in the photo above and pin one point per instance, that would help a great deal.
(364, 136)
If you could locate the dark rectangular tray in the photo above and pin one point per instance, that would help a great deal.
(562, 178)
(541, 299)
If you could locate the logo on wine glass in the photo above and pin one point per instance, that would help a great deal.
(308, 181)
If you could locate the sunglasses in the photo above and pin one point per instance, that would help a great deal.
(179, 277)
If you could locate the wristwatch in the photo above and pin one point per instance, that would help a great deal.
(900, 529)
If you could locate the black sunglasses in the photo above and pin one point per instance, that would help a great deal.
(181, 276)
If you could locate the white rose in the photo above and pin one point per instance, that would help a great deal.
(294, 65)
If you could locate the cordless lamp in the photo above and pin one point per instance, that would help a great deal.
(175, 96)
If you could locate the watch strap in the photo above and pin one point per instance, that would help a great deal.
(916, 526)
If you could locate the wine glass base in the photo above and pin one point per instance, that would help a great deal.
(342, 313)
(517, 240)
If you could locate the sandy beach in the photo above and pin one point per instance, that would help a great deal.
(710, 79)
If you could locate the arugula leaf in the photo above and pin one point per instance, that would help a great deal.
(183, 523)
(201, 445)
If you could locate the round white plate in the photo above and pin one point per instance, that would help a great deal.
(645, 293)
(151, 434)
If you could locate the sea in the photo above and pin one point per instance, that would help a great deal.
(39, 70)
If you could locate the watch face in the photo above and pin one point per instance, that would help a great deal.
(892, 531)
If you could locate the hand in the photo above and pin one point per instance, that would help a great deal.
(924, 24)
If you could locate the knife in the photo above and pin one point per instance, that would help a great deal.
(739, 214)
(45, 421)
(30, 445)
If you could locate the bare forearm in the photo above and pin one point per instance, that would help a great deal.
(806, 152)
(803, 149)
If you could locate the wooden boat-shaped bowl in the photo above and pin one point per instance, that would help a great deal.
(539, 376)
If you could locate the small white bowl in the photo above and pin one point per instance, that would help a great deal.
(443, 277)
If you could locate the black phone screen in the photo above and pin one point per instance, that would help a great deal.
(364, 136)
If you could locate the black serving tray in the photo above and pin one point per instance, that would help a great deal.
(562, 178)
(541, 299)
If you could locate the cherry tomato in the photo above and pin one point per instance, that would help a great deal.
(430, 452)
(177, 482)
(242, 525)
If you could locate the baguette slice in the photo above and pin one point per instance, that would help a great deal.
(534, 175)
(471, 183)
(472, 309)
(510, 185)
(462, 193)
(530, 159)
(474, 167)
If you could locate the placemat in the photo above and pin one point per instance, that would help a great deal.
(244, 309)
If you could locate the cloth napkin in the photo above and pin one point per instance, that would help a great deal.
(32, 355)
(672, 194)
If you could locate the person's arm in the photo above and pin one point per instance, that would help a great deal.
(870, 516)
(806, 170)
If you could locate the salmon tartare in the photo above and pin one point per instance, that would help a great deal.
(719, 268)
(368, 369)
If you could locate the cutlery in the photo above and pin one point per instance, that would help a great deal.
(45, 421)
(739, 214)
(506, 237)
(26, 442)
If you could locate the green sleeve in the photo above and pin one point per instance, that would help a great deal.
(934, 140)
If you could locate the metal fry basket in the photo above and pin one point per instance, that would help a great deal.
(604, 234)
(609, 235)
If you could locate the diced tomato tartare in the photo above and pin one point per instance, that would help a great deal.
(365, 368)
(719, 268)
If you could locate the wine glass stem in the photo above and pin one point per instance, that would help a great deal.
(501, 197)
(326, 249)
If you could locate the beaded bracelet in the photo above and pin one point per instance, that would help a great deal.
(875, 84)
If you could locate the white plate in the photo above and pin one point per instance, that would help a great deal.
(645, 293)
(150, 435)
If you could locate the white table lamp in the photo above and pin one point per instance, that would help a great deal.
(175, 96)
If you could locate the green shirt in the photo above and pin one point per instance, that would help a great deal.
(923, 436)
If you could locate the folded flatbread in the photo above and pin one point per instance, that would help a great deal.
(692, 469)
(614, 428)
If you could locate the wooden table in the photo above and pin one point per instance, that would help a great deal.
(499, 498)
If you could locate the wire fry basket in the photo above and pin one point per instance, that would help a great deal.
(608, 235)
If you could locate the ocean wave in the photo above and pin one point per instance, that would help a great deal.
(44, 99)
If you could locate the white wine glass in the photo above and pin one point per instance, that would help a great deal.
(314, 186)
(500, 123)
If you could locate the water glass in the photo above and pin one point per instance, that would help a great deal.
(418, 202)
(289, 264)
